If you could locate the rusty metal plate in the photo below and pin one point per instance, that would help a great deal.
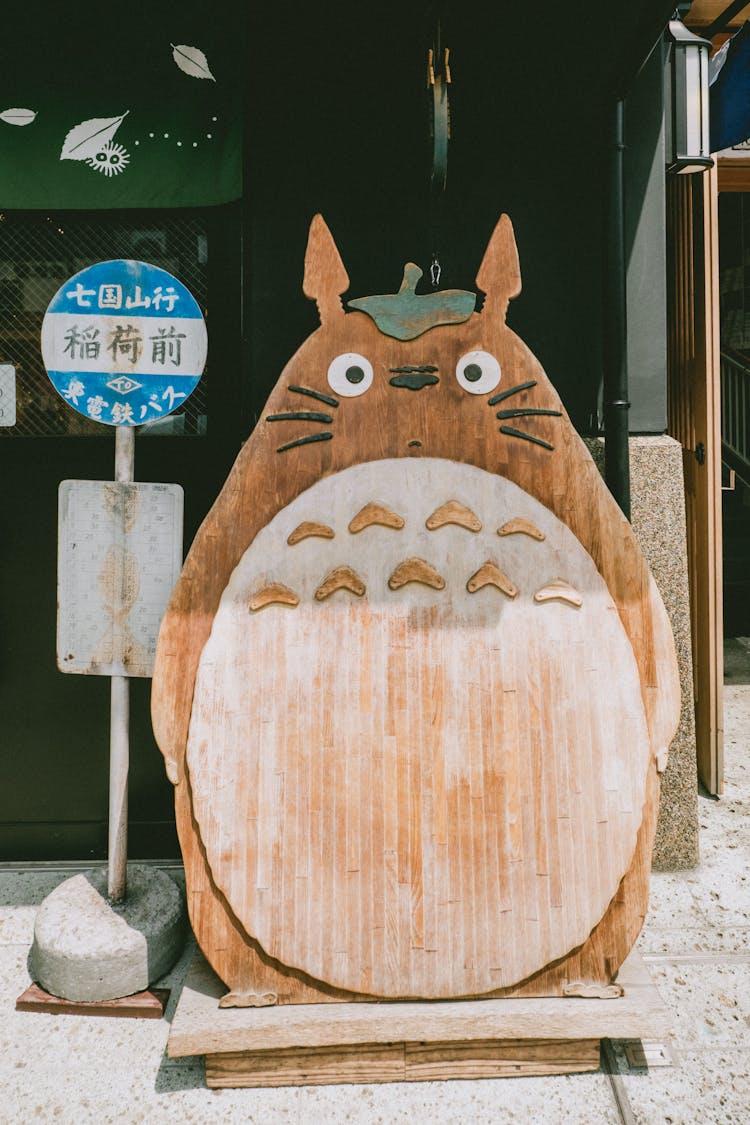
(119, 555)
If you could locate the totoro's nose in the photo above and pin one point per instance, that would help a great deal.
(414, 378)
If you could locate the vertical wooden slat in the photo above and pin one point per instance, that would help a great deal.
(694, 419)
(711, 749)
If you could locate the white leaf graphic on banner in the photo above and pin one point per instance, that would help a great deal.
(192, 61)
(18, 116)
(85, 140)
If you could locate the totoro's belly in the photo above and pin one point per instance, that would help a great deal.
(417, 749)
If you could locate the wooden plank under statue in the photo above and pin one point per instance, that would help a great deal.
(415, 681)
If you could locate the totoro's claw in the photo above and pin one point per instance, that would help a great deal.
(592, 990)
(249, 1000)
(173, 770)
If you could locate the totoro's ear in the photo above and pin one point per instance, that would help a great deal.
(325, 277)
(499, 275)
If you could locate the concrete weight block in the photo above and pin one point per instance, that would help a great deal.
(85, 948)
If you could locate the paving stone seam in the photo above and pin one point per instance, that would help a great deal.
(720, 957)
(689, 1050)
(616, 1084)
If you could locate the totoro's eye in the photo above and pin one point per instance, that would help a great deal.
(478, 372)
(350, 374)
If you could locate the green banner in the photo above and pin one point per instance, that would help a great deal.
(141, 109)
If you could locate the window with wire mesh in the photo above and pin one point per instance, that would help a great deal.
(38, 254)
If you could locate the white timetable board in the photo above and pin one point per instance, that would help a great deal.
(119, 555)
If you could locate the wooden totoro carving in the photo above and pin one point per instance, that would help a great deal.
(414, 677)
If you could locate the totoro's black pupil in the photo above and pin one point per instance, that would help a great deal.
(472, 372)
(354, 374)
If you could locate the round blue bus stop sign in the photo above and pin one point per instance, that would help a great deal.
(124, 342)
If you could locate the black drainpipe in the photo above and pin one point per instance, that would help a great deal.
(615, 355)
(616, 404)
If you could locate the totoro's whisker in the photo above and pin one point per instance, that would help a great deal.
(511, 391)
(314, 394)
(300, 416)
(304, 440)
(510, 432)
(521, 413)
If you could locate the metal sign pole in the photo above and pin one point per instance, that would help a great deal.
(140, 355)
(124, 344)
(119, 730)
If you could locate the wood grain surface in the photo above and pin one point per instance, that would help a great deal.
(149, 1004)
(447, 789)
(400, 1062)
(199, 1026)
(422, 768)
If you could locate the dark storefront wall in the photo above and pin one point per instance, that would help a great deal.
(55, 727)
(343, 131)
(182, 137)
(336, 122)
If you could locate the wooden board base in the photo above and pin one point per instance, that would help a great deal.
(401, 1062)
(317, 1044)
(148, 1005)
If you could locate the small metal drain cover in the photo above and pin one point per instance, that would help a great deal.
(648, 1053)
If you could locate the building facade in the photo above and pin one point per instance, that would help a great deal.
(217, 155)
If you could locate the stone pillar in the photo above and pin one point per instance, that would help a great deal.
(658, 517)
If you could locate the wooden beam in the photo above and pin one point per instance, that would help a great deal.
(148, 1005)
(401, 1062)
(705, 14)
(200, 1026)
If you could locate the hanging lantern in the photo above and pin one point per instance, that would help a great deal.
(687, 101)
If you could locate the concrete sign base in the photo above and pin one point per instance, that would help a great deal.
(86, 949)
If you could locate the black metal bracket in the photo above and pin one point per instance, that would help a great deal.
(725, 18)
(438, 81)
